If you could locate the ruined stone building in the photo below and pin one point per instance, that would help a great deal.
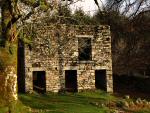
(66, 58)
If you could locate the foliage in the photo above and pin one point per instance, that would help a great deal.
(82, 18)
(130, 36)
(65, 16)
(64, 11)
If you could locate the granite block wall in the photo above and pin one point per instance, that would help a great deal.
(55, 48)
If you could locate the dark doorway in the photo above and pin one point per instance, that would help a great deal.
(20, 67)
(39, 81)
(71, 80)
(100, 79)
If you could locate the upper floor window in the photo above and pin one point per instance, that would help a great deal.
(85, 49)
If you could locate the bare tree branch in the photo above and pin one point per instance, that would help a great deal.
(137, 9)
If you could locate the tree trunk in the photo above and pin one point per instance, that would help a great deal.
(8, 56)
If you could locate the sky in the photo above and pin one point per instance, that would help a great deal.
(87, 5)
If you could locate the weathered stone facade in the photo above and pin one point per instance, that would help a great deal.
(55, 49)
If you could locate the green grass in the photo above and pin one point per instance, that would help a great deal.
(143, 111)
(83, 102)
(67, 103)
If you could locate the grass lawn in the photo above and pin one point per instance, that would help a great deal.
(83, 102)
(67, 103)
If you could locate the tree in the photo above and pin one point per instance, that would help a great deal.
(129, 23)
(82, 18)
(11, 14)
(129, 8)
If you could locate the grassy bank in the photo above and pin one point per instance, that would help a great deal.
(84, 102)
(68, 103)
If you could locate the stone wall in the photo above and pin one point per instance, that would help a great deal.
(54, 49)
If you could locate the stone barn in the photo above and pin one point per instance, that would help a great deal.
(65, 58)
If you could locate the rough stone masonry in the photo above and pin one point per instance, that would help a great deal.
(55, 49)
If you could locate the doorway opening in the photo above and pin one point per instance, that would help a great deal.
(20, 67)
(100, 79)
(39, 81)
(71, 80)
